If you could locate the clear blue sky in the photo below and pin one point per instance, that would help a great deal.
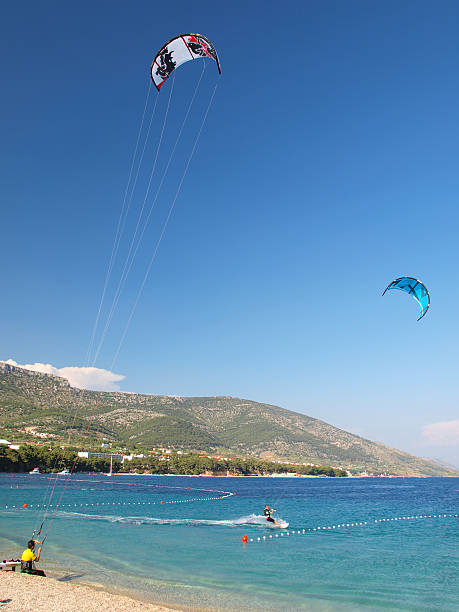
(328, 166)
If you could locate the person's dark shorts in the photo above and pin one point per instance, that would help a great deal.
(26, 568)
(271, 520)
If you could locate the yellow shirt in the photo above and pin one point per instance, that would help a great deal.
(28, 555)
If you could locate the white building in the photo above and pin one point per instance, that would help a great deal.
(12, 446)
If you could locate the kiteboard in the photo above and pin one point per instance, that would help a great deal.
(10, 565)
(279, 525)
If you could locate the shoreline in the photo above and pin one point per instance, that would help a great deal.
(275, 475)
(71, 583)
(19, 592)
(75, 586)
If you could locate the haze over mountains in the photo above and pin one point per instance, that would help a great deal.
(39, 406)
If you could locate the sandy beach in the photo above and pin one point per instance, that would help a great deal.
(21, 592)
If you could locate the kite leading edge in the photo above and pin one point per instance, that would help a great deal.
(176, 52)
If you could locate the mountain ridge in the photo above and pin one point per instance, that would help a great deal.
(35, 404)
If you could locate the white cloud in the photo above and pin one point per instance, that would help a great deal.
(445, 433)
(95, 379)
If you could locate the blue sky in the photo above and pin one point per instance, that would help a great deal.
(326, 168)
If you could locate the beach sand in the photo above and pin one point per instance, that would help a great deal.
(22, 592)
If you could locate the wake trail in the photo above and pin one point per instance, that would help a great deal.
(252, 520)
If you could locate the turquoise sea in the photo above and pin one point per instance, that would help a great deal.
(383, 543)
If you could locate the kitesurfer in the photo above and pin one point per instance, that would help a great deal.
(28, 558)
(267, 512)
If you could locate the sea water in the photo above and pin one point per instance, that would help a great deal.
(352, 544)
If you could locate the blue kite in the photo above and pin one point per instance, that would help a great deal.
(415, 288)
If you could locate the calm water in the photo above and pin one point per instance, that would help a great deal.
(188, 551)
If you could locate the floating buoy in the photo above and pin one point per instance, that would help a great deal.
(162, 502)
(221, 497)
(244, 538)
(25, 505)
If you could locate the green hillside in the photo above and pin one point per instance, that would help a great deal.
(37, 407)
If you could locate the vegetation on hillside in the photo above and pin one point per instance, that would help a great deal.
(39, 407)
(29, 457)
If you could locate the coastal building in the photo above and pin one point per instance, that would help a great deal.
(9, 445)
(131, 457)
(87, 454)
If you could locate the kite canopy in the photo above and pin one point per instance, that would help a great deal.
(176, 52)
(415, 288)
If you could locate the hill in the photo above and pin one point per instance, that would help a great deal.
(34, 406)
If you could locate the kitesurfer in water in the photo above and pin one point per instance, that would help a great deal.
(267, 512)
(28, 558)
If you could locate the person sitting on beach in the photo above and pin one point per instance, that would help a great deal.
(267, 512)
(28, 558)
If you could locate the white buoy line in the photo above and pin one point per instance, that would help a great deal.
(321, 528)
(122, 483)
(139, 503)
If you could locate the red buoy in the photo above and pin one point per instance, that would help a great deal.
(244, 538)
